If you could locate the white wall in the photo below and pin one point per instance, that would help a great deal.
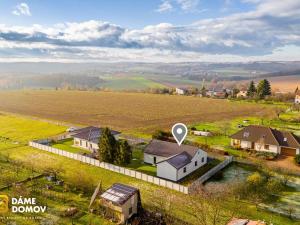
(246, 144)
(297, 99)
(85, 144)
(191, 166)
(272, 148)
(166, 171)
(298, 151)
(150, 158)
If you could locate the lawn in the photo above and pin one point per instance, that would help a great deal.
(67, 145)
(137, 163)
(73, 170)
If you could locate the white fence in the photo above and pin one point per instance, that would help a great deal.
(114, 168)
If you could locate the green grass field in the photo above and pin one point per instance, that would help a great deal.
(22, 130)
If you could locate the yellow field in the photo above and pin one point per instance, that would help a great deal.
(122, 111)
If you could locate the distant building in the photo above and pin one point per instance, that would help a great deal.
(266, 139)
(241, 94)
(88, 137)
(174, 162)
(297, 96)
(236, 221)
(123, 200)
(181, 91)
(217, 94)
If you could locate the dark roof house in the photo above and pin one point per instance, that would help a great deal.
(168, 149)
(90, 133)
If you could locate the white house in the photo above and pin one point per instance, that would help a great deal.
(174, 162)
(266, 139)
(88, 137)
(181, 91)
(242, 94)
(297, 96)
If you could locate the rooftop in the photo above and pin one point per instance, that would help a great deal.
(119, 193)
(169, 149)
(90, 133)
(180, 160)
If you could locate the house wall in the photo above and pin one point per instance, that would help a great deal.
(272, 148)
(167, 171)
(191, 166)
(298, 151)
(246, 144)
(180, 91)
(150, 158)
(297, 99)
(85, 144)
(132, 202)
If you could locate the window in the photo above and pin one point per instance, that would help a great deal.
(246, 134)
(285, 139)
(267, 147)
(184, 169)
(80, 142)
(196, 163)
(203, 159)
(86, 144)
(130, 210)
(154, 160)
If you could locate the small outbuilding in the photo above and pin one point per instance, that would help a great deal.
(123, 200)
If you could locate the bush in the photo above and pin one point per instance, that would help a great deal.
(297, 159)
(266, 155)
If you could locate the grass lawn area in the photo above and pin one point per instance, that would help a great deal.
(67, 145)
(137, 163)
(74, 170)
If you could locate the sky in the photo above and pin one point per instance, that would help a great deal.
(149, 30)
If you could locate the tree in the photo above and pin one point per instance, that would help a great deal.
(123, 154)
(107, 146)
(263, 88)
(251, 89)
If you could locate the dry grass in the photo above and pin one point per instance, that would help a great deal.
(123, 111)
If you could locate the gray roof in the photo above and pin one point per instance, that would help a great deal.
(180, 160)
(91, 133)
(169, 149)
(119, 193)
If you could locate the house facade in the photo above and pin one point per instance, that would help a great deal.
(181, 91)
(297, 96)
(266, 139)
(88, 138)
(123, 201)
(241, 94)
(174, 162)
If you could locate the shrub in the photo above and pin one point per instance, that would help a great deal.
(297, 159)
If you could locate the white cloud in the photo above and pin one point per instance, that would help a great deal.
(258, 34)
(165, 6)
(22, 9)
(188, 5)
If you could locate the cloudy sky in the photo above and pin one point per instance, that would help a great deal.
(149, 31)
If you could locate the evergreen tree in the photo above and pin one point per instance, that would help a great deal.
(251, 89)
(124, 153)
(107, 146)
(263, 88)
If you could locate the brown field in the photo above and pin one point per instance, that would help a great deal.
(123, 111)
(286, 83)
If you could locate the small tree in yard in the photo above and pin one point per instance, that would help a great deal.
(251, 89)
(263, 88)
(123, 154)
(107, 146)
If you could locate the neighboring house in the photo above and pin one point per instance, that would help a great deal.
(216, 94)
(181, 91)
(236, 221)
(266, 139)
(241, 94)
(88, 137)
(174, 162)
(297, 96)
(123, 200)
(202, 133)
